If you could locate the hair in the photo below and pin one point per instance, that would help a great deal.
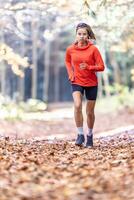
(91, 35)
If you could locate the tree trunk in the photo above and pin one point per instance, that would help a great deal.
(21, 79)
(3, 78)
(3, 69)
(56, 71)
(100, 87)
(46, 70)
(117, 76)
(34, 58)
(105, 73)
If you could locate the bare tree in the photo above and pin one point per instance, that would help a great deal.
(34, 26)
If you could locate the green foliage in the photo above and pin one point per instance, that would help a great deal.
(125, 96)
(33, 105)
(11, 110)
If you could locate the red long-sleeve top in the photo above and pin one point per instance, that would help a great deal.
(91, 56)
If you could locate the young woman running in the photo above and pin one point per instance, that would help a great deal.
(83, 60)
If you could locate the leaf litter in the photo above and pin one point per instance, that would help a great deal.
(59, 170)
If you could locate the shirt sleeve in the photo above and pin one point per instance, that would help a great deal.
(69, 65)
(99, 64)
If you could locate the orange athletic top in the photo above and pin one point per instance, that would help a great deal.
(88, 54)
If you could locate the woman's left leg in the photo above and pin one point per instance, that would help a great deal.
(91, 95)
(90, 113)
(90, 121)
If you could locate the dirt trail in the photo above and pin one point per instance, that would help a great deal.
(58, 122)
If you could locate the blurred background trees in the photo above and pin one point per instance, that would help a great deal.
(34, 36)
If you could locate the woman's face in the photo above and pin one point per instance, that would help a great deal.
(82, 35)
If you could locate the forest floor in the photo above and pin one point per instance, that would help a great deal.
(39, 160)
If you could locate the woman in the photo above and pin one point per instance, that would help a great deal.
(83, 60)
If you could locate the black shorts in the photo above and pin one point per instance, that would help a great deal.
(90, 91)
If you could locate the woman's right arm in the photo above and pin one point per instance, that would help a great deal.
(69, 65)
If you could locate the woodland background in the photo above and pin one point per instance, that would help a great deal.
(38, 158)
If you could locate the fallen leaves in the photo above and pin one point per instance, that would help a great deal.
(62, 171)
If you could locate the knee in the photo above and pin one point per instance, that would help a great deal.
(78, 107)
(90, 113)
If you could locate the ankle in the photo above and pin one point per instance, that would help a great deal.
(80, 130)
(90, 132)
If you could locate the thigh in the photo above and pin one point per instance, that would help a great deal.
(78, 88)
(91, 93)
(77, 93)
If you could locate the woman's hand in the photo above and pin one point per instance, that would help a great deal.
(71, 78)
(83, 65)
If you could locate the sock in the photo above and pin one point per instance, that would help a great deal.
(90, 132)
(80, 130)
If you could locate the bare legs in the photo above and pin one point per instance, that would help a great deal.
(77, 97)
(90, 113)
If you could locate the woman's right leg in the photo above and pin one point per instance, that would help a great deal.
(77, 97)
(78, 116)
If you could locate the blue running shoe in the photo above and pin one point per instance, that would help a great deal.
(80, 140)
(89, 142)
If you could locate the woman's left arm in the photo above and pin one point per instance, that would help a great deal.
(99, 64)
